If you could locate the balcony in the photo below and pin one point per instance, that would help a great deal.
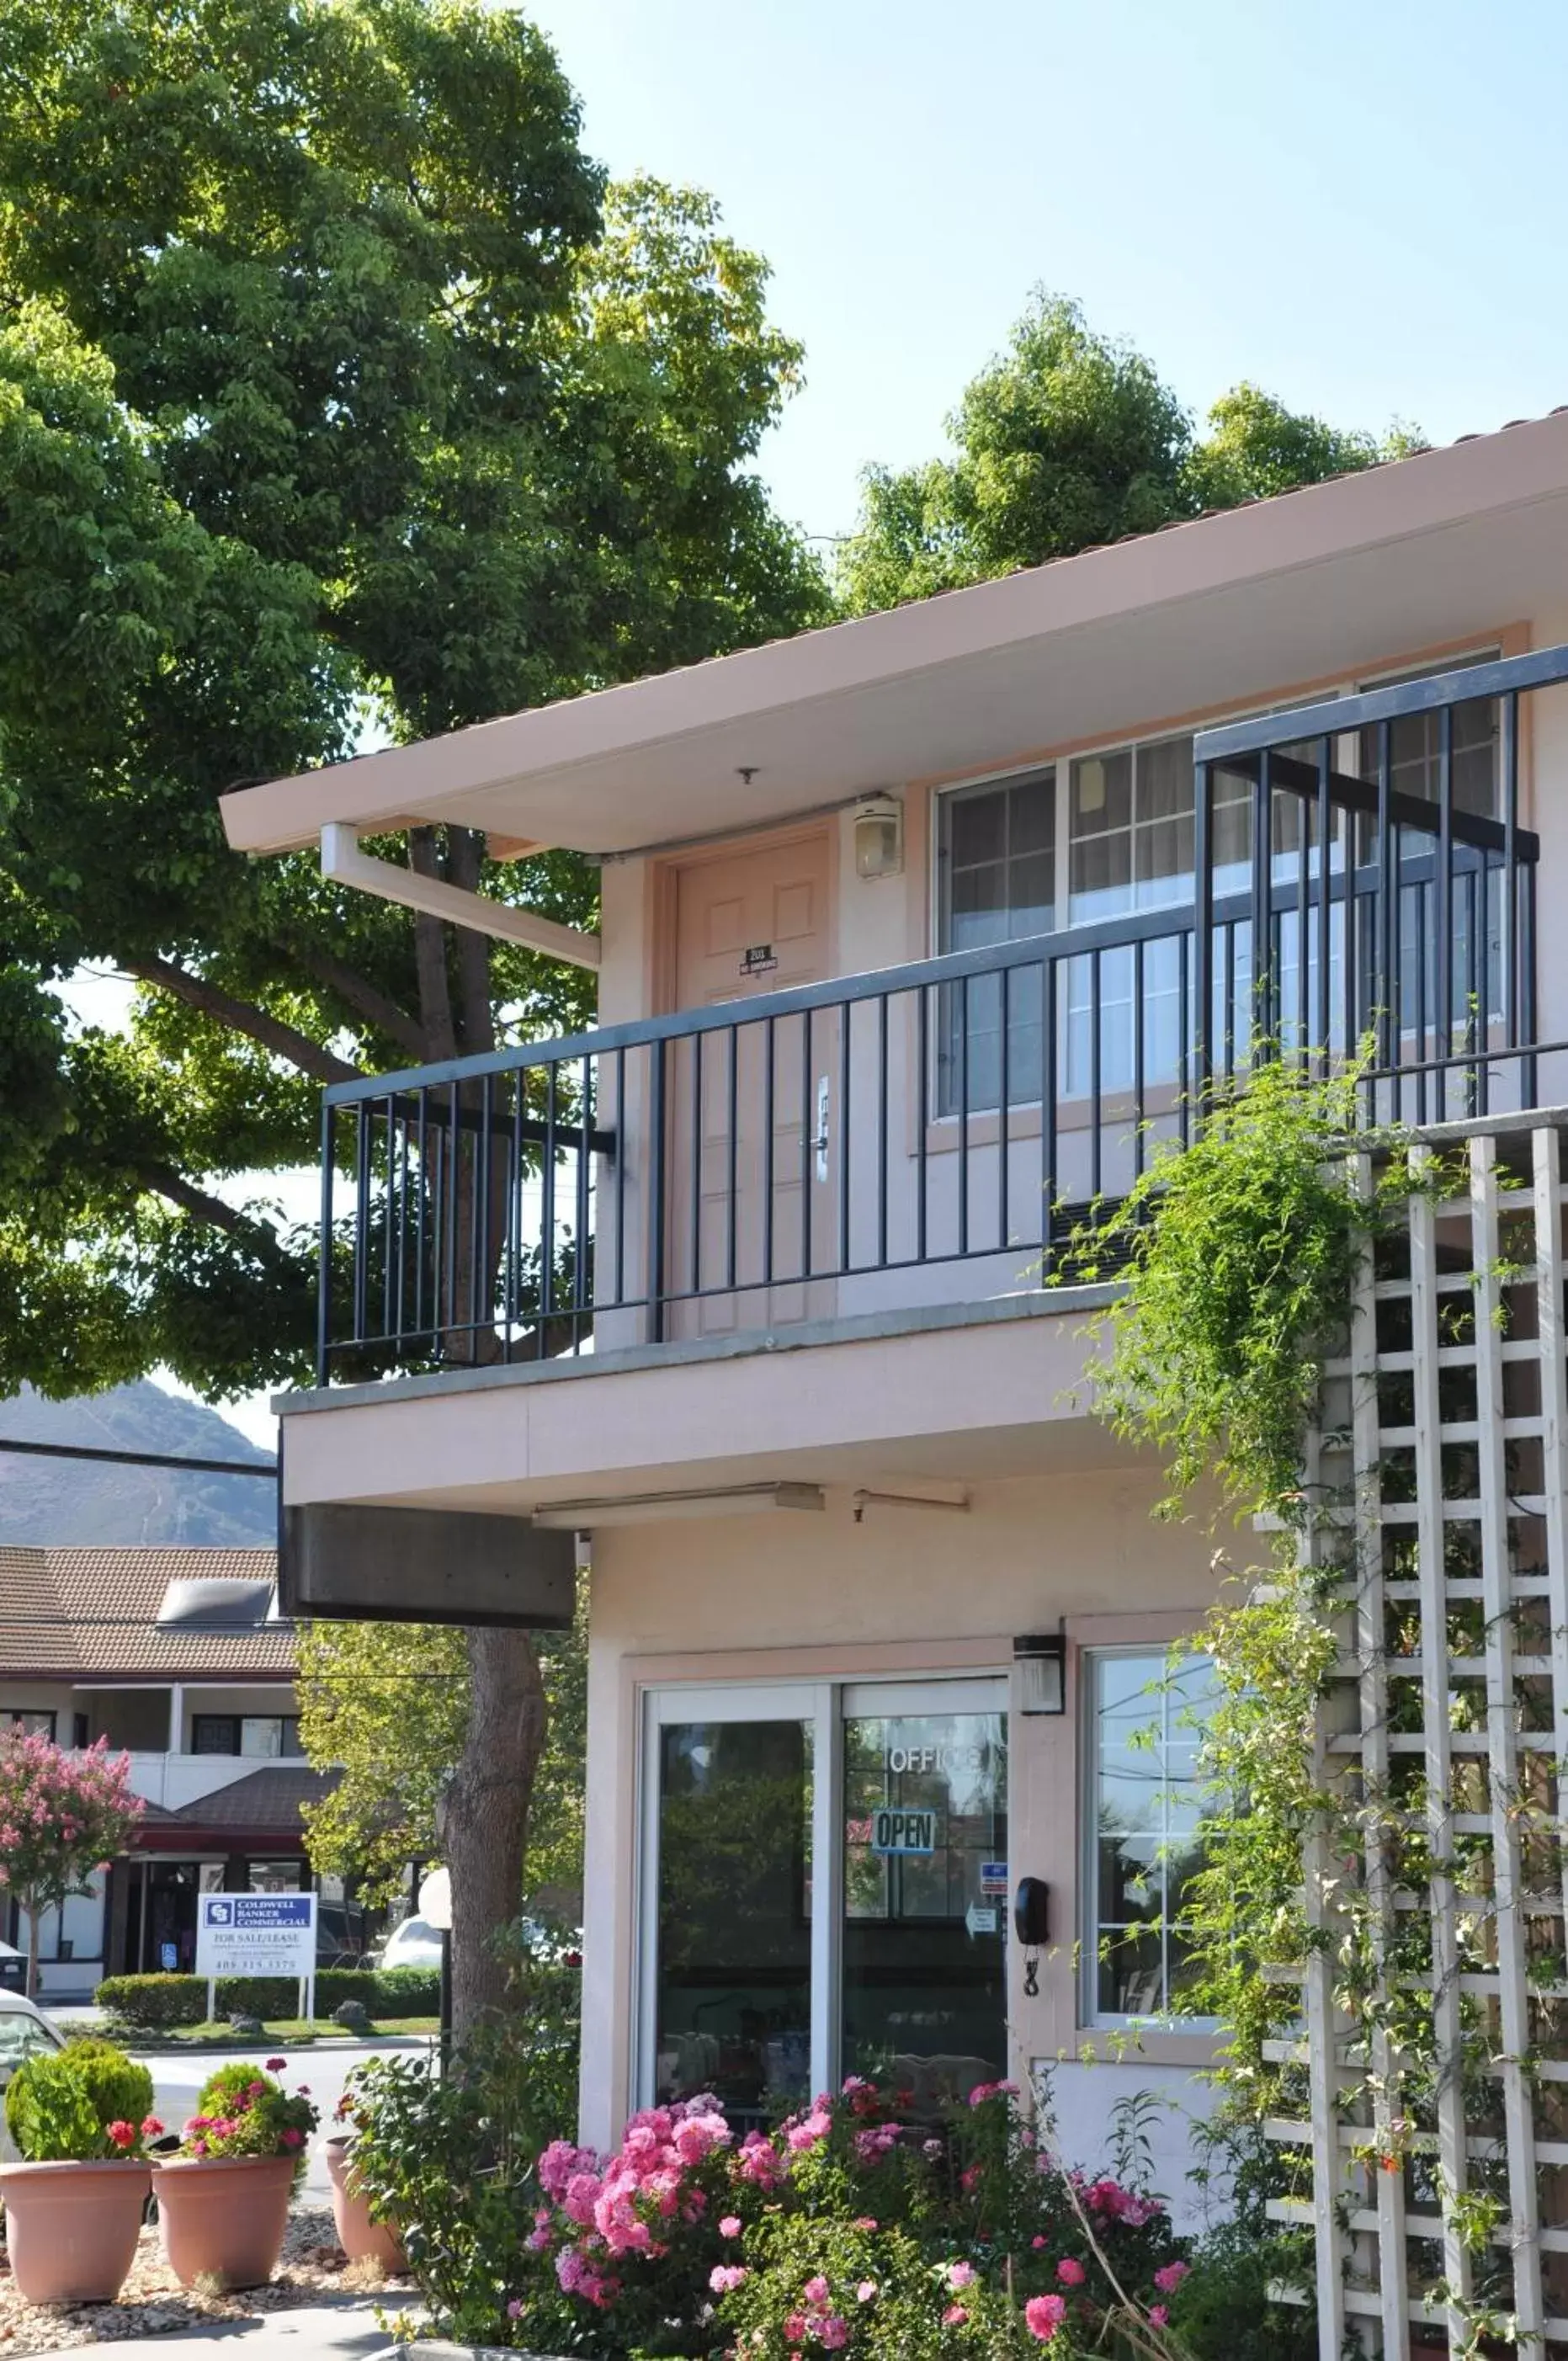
(931, 1133)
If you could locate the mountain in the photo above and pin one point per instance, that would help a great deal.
(79, 1502)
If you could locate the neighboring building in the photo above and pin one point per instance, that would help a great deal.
(880, 902)
(178, 1656)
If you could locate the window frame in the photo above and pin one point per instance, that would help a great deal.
(26, 1720)
(826, 1701)
(1093, 2016)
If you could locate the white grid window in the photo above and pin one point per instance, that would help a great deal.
(1145, 1826)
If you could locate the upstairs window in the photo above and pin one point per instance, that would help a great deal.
(997, 884)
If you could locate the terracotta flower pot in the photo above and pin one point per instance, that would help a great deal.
(361, 2239)
(222, 2217)
(70, 2229)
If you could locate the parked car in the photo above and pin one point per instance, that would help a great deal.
(415, 1943)
(24, 2031)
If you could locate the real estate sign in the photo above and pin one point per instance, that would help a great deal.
(257, 1935)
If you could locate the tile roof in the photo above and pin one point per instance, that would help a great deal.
(81, 1613)
(267, 1797)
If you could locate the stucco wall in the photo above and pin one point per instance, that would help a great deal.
(791, 1594)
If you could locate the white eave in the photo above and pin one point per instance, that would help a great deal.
(1196, 618)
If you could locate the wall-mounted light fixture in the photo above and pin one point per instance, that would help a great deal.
(1040, 1658)
(879, 837)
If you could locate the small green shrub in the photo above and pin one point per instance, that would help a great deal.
(60, 2103)
(153, 2004)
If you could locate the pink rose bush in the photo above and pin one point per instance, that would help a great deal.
(244, 2112)
(847, 2229)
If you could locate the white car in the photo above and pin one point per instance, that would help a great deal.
(24, 2031)
(413, 1944)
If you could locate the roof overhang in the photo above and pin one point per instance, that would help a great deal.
(1200, 618)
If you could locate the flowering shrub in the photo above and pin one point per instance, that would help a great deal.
(847, 2230)
(243, 2112)
(65, 1812)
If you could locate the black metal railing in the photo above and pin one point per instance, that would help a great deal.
(768, 1159)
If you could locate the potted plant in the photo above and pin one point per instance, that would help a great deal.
(80, 2117)
(223, 2200)
(363, 2235)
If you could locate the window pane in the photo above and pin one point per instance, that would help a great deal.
(1148, 1808)
(997, 884)
(261, 1734)
(733, 1990)
(924, 1947)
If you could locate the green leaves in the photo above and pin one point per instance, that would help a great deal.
(1068, 439)
(1242, 1251)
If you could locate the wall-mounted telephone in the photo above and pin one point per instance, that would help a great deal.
(1032, 1922)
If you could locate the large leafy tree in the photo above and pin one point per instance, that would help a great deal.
(337, 392)
(1069, 439)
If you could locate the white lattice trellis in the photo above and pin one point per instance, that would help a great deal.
(1444, 1449)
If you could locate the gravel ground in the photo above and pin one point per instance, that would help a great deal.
(153, 2303)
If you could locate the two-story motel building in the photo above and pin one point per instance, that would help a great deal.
(914, 929)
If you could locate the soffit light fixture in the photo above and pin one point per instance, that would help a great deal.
(651, 1508)
(1040, 1661)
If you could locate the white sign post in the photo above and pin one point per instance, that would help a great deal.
(257, 1935)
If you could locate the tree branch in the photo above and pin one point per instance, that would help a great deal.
(284, 1041)
(356, 992)
(164, 1181)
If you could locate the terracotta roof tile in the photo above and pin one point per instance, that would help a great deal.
(81, 1612)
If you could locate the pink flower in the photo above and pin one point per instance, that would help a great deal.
(1044, 2314)
(276, 2064)
(1037, 2241)
(815, 2290)
(122, 2134)
(833, 2332)
(1069, 2271)
(730, 2227)
(1170, 2276)
(954, 2316)
(151, 2128)
(794, 2328)
(811, 2131)
(983, 2090)
(960, 2274)
(724, 2277)
(697, 2135)
(291, 2137)
(1159, 2316)
(865, 2221)
(514, 2309)
(866, 2292)
(931, 2147)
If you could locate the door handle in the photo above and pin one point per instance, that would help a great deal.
(820, 1142)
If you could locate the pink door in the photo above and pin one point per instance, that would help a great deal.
(749, 1187)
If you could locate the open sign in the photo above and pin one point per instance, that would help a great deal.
(896, 1827)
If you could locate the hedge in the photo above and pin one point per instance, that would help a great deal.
(156, 2002)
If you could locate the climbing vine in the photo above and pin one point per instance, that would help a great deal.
(1243, 1254)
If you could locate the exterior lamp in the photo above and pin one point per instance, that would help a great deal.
(879, 837)
(1040, 1658)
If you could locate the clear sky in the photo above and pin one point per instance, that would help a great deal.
(1362, 207)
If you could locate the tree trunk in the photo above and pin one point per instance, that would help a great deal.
(33, 1918)
(482, 1819)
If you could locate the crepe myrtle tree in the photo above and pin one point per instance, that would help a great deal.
(64, 1814)
(340, 391)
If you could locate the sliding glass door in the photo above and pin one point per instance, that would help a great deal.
(822, 1889)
